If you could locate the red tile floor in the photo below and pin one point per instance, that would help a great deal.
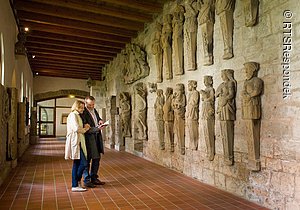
(42, 180)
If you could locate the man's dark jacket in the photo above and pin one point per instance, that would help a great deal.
(93, 137)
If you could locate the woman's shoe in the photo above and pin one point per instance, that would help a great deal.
(78, 189)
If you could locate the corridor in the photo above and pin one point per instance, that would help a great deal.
(42, 180)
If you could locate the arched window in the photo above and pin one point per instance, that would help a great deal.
(2, 58)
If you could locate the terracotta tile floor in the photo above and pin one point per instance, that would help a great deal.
(42, 180)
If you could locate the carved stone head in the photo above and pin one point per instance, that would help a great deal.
(192, 84)
(208, 81)
(251, 69)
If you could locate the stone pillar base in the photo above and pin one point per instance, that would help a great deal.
(14, 163)
(253, 165)
(119, 148)
(33, 140)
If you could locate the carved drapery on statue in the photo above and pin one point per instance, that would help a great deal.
(125, 105)
(226, 111)
(251, 113)
(178, 104)
(156, 49)
(193, 114)
(141, 110)
(206, 21)
(168, 117)
(225, 9)
(251, 12)
(178, 21)
(135, 64)
(158, 113)
(208, 116)
(166, 43)
(190, 34)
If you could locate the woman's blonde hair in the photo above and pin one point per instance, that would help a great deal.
(77, 105)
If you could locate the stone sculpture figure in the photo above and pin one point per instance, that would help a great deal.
(225, 9)
(193, 114)
(157, 51)
(208, 116)
(251, 12)
(125, 114)
(190, 34)
(20, 45)
(141, 110)
(135, 64)
(206, 21)
(166, 39)
(178, 104)
(158, 113)
(226, 111)
(251, 113)
(12, 137)
(178, 20)
(168, 117)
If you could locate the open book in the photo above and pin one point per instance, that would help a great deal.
(104, 124)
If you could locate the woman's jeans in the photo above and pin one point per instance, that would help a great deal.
(78, 167)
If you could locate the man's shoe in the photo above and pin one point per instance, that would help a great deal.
(78, 189)
(89, 184)
(79, 184)
(98, 182)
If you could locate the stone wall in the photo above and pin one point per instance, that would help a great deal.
(277, 184)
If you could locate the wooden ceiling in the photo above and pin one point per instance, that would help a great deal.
(77, 38)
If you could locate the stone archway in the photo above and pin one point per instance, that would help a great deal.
(59, 94)
(48, 96)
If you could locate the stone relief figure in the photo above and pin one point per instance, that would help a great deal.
(178, 104)
(225, 9)
(166, 40)
(135, 64)
(20, 45)
(251, 12)
(141, 110)
(193, 114)
(152, 87)
(158, 113)
(168, 117)
(206, 21)
(12, 136)
(125, 114)
(190, 33)
(178, 20)
(226, 111)
(251, 113)
(208, 116)
(157, 51)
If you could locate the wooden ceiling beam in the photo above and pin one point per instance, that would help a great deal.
(70, 50)
(70, 55)
(66, 62)
(148, 6)
(99, 9)
(64, 65)
(54, 43)
(76, 39)
(77, 15)
(75, 24)
(66, 75)
(73, 32)
(61, 69)
(82, 61)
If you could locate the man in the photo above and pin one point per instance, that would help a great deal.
(94, 143)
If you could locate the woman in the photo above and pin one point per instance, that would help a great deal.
(75, 144)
